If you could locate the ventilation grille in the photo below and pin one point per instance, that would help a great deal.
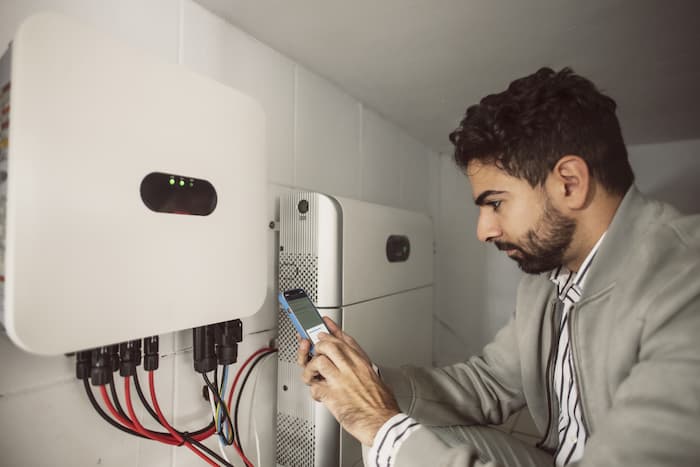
(297, 270)
(295, 441)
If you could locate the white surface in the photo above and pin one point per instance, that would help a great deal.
(669, 172)
(327, 128)
(212, 47)
(382, 160)
(394, 330)
(74, 210)
(415, 184)
(421, 63)
(367, 274)
(152, 26)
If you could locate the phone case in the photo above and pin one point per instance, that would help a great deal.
(293, 319)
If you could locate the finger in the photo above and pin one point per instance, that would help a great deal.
(319, 365)
(332, 327)
(337, 332)
(340, 353)
(303, 352)
(318, 391)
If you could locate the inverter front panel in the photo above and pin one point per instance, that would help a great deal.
(135, 194)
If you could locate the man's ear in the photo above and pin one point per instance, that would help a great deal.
(570, 181)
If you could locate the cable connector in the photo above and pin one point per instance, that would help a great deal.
(228, 335)
(114, 359)
(130, 353)
(83, 361)
(203, 349)
(101, 366)
(150, 353)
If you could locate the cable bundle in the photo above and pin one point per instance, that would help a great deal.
(99, 364)
(220, 408)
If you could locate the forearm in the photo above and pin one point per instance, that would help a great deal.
(483, 390)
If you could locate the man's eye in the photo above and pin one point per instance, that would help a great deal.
(494, 204)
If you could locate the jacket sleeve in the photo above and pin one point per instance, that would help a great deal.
(655, 415)
(485, 389)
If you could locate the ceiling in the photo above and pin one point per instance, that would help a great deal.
(420, 63)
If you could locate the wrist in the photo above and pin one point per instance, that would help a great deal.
(376, 423)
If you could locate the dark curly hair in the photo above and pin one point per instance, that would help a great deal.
(527, 128)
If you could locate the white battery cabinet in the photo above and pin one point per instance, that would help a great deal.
(370, 268)
(135, 193)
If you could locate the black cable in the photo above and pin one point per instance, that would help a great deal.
(216, 377)
(120, 410)
(119, 426)
(154, 415)
(106, 417)
(240, 392)
(189, 437)
(185, 435)
(219, 400)
(115, 398)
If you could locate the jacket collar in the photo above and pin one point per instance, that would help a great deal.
(629, 224)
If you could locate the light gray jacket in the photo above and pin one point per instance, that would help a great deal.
(635, 336)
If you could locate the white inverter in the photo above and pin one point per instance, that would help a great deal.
(132, 193)
(370, 268)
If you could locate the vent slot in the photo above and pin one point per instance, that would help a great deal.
(296, 440)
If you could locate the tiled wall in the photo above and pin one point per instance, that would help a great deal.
(318, 138)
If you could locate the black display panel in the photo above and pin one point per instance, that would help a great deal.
(178, 194)
(398, 248)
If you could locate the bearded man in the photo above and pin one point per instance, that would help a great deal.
(604, 344)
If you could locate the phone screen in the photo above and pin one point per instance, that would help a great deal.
(306, 314)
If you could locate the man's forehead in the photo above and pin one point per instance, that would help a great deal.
(485, 176)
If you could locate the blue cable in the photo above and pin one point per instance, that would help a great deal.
(220, 412)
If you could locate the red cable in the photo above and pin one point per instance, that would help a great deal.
(134, 420)
(230, 397)
(167, 426)
(205, 435)
(240, 371)
(127, 423)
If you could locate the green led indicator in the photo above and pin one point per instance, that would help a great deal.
(191, 184)
(172, 181)
(182, 183)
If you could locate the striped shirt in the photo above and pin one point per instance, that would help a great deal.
(572, 433)
(389, 438)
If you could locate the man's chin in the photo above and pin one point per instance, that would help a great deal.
(533, 267)
(527, 265)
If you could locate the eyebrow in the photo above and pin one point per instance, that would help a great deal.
(481, 199)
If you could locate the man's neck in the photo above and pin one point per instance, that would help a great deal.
(590, 226)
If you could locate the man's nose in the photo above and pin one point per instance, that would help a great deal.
(487, 229)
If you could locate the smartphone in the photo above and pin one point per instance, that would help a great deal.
(303, 314)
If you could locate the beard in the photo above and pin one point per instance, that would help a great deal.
(544, 251)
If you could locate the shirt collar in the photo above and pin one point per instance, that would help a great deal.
(570, 284)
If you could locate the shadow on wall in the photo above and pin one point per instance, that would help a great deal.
(683, 193)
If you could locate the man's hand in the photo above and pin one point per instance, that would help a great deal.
(341, 377)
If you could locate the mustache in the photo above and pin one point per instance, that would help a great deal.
(507, 246)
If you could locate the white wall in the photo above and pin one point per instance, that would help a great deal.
(319, 138)
(476, 283)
